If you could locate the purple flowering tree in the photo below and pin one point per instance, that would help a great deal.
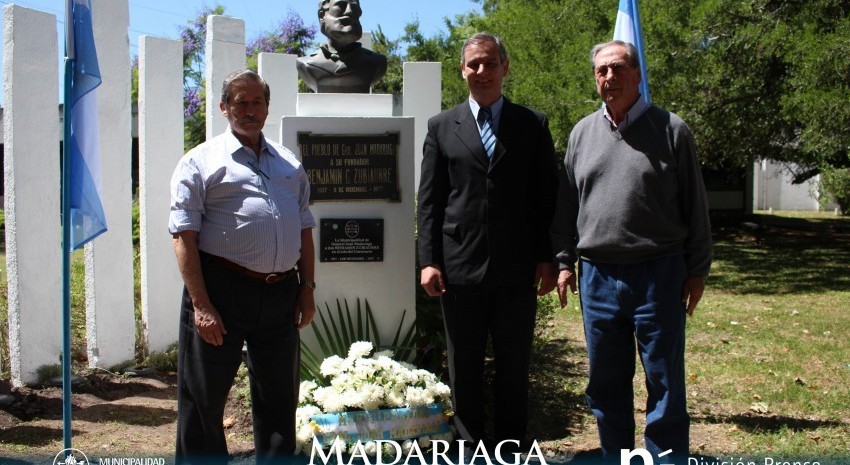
(291, 36)
(194, 94)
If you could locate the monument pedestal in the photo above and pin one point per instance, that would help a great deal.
(361, 170)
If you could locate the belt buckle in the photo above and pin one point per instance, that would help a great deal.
(272, 278)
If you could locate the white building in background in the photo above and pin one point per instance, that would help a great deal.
(772, 189)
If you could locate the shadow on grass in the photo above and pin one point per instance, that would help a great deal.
(767, 424)
(30, 436)
(555, 411)
(127, 414)
(770, 255)
(33, 404)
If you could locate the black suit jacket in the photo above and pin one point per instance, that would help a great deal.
(477, 215)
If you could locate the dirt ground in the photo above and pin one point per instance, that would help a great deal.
(112, 416)
(122, 416)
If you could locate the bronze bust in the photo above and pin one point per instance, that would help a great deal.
(341, 65)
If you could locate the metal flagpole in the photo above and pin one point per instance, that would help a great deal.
(66, 227)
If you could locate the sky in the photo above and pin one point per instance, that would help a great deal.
(161, 18)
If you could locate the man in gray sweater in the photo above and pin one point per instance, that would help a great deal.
(632, 211)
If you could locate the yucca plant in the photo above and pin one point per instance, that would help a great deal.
(336, 331)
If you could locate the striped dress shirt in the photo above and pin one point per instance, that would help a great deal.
(246, 210)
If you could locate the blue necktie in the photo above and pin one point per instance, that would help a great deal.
(487, 136)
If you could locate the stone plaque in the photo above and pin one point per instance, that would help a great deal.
(351, 167)
(351, 240)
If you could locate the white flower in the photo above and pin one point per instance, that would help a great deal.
(360, 349)
(418, 396)
(331, 366)
(304, 426)
(395, 398)
(372, 396)
(329, 399)
(366, 383)
(406, 446)
(442, 390)
(388, 354)
(338, 444)
(305, 391)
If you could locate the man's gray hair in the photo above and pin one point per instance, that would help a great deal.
(244, 75)
(480, 37)
(631, 52)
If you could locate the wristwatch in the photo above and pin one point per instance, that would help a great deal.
(309, 283)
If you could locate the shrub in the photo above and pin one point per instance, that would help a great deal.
(835, 185)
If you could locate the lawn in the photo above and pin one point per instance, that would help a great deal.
(768, 353)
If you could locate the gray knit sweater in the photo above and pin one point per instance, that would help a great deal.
(632, 197)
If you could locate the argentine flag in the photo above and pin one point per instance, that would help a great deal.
(83, 149)
(627, 29)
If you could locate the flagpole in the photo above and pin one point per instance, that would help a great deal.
(66, 228)
(627, 28)
(639, 45)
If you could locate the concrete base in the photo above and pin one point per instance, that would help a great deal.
(389, 286)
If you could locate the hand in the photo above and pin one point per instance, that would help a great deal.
(432, 281)
(692, 292)
(209, 325)
(566, 279)
(305, 307)
(544, 277)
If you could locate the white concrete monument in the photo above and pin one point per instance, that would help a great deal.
(32, 201)
(225, 53)
(278, 70)
(361, 171)
(421, 95)
(110, 307)
(160, 147)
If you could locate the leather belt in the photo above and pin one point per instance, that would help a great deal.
(268, 278)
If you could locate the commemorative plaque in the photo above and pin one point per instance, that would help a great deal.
(351, 240)
(351, 167)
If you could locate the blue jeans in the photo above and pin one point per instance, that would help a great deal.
(622, 304)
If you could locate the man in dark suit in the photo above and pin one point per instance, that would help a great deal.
(486, 200)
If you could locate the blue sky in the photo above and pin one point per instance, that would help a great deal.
(161, 18)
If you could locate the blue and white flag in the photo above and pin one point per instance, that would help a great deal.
(83, 147)
(627, 28)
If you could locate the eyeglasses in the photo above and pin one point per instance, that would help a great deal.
(617, 68)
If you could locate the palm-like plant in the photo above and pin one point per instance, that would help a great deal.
(336, 331)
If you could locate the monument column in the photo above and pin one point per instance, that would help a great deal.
(32, 201)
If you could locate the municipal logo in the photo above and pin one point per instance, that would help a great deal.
(71, 457)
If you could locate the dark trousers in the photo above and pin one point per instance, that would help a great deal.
(625, 305)
(506, 314)
(260, 315)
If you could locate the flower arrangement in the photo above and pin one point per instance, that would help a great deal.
(360, 389)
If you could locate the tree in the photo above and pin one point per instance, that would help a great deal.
(753, 78)
(291, 36)
(392, 81)
(548, 43)
(443, 48)
(749, 78)
(194, 91)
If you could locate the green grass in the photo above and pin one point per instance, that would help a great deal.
(768, 350)
(768, 353)
(78, 311)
